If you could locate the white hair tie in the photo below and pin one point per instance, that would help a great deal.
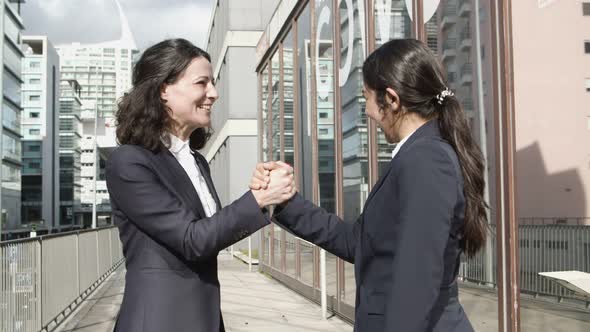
(445, 93)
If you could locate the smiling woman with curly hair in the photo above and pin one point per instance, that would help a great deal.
(170, 219)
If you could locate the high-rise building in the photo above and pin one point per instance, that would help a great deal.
(40, 134)
(234, 30)
(11, 27)
(103, 71)
(70, 134)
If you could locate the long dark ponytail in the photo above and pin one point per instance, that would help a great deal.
(411, 69)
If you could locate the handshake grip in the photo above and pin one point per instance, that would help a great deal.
(272, 183)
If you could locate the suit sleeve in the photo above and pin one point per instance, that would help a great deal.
(427, 194)
(323, 229)
(138, 192)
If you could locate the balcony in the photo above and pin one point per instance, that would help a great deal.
(467, 74)
(465, 38)
(464, 8)
(451, 77)
(467, 104)
(449, 16)
(449, 49)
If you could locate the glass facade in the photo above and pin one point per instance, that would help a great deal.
(312, 113)
(70, 126)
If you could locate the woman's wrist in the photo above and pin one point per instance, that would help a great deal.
(260, 197)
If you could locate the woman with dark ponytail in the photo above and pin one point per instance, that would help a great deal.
(423, 213)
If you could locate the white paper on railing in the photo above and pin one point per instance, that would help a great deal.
(577, 281)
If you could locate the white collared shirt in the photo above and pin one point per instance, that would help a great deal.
(398, 146)
(182, 152)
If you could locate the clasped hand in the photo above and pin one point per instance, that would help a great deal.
(272, 183)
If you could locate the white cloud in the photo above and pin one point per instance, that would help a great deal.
(189, 21)
(53, 8)
(66, 21)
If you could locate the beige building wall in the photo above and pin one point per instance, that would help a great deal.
(552, 108)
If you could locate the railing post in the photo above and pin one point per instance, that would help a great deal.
(250, 253)
(98, 274)
(78, 260)
(324, 292)
(39, 283)
(111, 249)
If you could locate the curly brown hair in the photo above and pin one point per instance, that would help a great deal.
(142, 117)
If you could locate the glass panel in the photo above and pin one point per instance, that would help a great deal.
(265, 132)
(11, 147)
(11, 87)
(354, 123)
(11, 177)
(275, 141)
(289, 148)
(324, 70)
(15, 5)
(304, 137)
(12, 59)
(264, 102)
(11, 117)
(11, 29)
(392, 21)
(276, 107)
(552, 160)
(325, 105)
(462, 41)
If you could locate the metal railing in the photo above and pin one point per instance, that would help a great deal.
(542, 248)
(42, 279)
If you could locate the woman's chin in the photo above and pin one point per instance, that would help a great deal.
(203, 122)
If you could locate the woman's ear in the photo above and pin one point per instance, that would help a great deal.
(164, 92)
(393, 99)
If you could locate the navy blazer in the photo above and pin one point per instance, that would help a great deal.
(169, 244)
(406, 244)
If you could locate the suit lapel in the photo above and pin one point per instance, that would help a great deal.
(208, 180)
(180, 182)
(379, 182)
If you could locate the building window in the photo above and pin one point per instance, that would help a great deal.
(34, 114)
(586, 8)
(587, 47)
(34, 98)
(34, 165)
(563, 245)
(34, 148)
(34, 81)
(34, 132)
(34, 64)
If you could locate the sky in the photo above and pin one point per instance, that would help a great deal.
(90, 21)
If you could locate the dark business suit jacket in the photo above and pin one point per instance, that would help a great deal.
(169, 244)
(406, 244)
